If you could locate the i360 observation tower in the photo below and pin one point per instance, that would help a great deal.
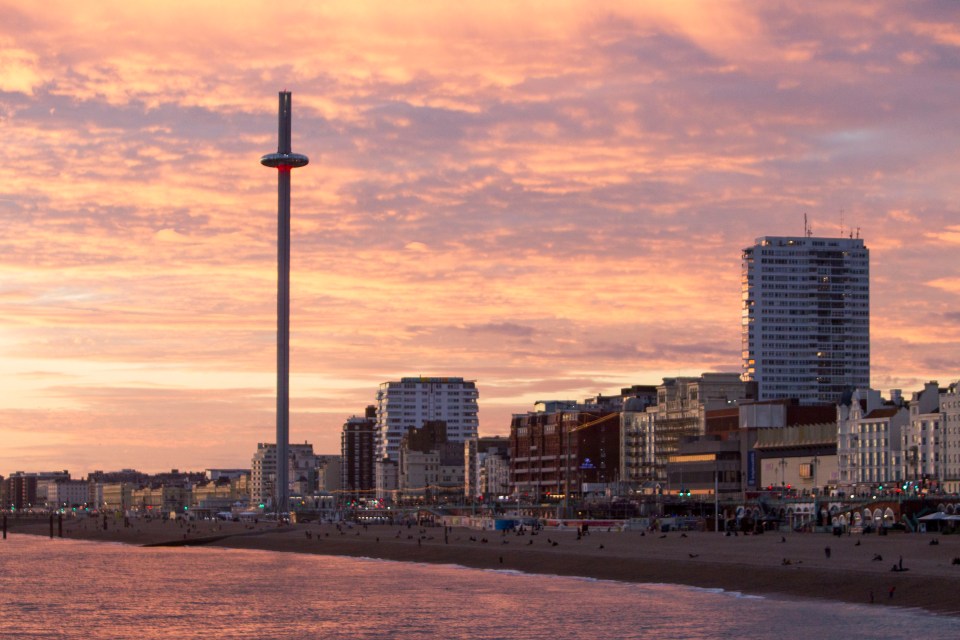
(283, 160)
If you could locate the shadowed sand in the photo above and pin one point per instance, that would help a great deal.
(749, 564)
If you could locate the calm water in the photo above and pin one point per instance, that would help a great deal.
(74, 589)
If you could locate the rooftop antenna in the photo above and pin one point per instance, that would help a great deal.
(841, 223)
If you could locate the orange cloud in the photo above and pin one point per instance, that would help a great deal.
(550, 198)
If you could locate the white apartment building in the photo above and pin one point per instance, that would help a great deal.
(806, 317)
(329, 473)
(651, 430)
(486, 467)
(878, 458)
(412, 401)
(387, 479)
(950, 409)
(66, 494)
(450, 485)
(931, 440)
(638, 457)
(263, 472)
(862, 402)
(419, 475)
(495, 474)
(923, 442)
(870, 440)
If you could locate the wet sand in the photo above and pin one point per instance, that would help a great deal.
(763, 564)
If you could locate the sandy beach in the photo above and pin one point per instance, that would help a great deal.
(791, 564)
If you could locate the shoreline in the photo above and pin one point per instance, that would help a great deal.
(772, 564)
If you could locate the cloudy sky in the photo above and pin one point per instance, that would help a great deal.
(549, 198)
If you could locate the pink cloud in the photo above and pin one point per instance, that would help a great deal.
(554, 204)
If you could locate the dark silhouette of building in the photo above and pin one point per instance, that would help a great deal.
(357, 443)
(20, 490)
(429, 437)
(124, 475)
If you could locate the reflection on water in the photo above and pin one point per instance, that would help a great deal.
(73, 589)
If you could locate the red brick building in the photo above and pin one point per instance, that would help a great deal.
(563, 445)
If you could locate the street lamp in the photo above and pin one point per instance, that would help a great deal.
(716, 494)
(816, 492)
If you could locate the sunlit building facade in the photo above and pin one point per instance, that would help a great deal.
(654, 425)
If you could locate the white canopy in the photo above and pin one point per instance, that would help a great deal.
(939, 515)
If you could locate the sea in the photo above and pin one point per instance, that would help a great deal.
(63, 588)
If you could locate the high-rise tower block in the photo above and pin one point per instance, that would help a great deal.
(806, 317)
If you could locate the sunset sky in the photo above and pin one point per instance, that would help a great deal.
(549, 198)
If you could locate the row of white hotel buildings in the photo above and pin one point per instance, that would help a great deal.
(887, 440)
